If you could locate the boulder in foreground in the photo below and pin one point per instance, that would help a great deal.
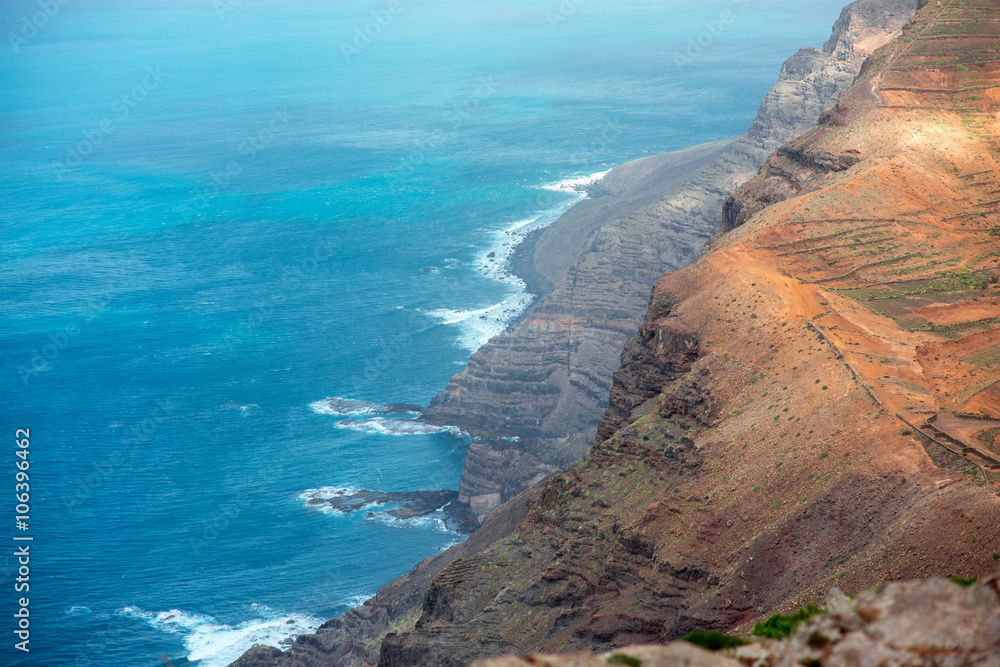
(928, 623)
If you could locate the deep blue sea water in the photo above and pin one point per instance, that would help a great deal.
(216, 214)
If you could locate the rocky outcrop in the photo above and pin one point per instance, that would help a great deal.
(787, 173)
(546, 381)
(580, 572)
(355, 638)
(931, 623)
(404, 504)
(652, 359)
(679, 654)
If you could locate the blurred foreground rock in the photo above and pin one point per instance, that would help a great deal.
(929, 623)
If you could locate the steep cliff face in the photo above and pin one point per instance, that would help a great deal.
(546, 381)
(811, 404)
(590, 567)
(580, 551)
(355, 638)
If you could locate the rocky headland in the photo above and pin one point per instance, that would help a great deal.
(395, 504)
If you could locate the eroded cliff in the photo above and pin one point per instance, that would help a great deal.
(546, 381)
(811, 404)
(588, 566)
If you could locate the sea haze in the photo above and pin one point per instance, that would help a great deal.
(218, 214)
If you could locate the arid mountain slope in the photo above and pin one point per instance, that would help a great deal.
(648, 210)
(547, 380)
(796, 411)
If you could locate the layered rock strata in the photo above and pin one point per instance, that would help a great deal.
(586, 547)
(778, 427)
(546, 381)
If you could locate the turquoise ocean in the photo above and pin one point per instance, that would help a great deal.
(215, 215)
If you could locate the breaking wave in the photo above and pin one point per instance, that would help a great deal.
(217, 644)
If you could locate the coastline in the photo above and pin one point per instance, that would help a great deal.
(522, 265)
(521, 262)
(509, 261)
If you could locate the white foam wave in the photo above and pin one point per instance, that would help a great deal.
(233, 405)
(217, 644)
(316, 498)
(358, 600)
(478, 325)
(341, 406)
(383, 426)
(577, 184)
(456, 316)
(436, 521)
(328, 493)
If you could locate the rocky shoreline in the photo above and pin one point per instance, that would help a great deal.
(406, 504)
(754, 453)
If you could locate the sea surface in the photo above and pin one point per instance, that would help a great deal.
(216, 215)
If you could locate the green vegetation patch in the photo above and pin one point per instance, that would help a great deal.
(780, 626)
(895, 300)
(943, 282)
(988, 357)
(622, 659)
(713, 640)
(964, 582)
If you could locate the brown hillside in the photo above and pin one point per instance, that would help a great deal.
(803, 407)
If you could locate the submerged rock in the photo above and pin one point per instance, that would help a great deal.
(350, 406)
(408, 504)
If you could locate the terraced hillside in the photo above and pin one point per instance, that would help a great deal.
(912, 273)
